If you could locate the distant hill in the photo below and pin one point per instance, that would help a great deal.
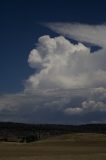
(20, 132)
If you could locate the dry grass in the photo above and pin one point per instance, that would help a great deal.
(65, 147)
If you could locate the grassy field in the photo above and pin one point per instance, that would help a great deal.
(65, 147)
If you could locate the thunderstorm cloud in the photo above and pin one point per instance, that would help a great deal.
(69, 82)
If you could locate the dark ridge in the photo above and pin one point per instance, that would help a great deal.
(20, 132)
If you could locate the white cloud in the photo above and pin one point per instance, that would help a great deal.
(69, 80)
(92, 105)
(37, 106)
(76, 110)
(98, 93)
(34, 59)
(81, 32)
(96, 101)
(86, 107)
(64, 65)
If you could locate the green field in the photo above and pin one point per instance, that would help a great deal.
(65, 147)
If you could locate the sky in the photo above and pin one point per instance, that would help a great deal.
(52, 61)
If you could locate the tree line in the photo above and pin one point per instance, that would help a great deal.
(20, 132)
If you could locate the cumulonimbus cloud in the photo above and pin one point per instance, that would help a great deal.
(62, 64)
(69, 79)
(69, 66)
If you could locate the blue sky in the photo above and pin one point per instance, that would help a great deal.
(19, 30)
(22, 23)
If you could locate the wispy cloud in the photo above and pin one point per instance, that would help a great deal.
(81, 32)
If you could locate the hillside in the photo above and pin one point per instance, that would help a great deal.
(20, 132)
